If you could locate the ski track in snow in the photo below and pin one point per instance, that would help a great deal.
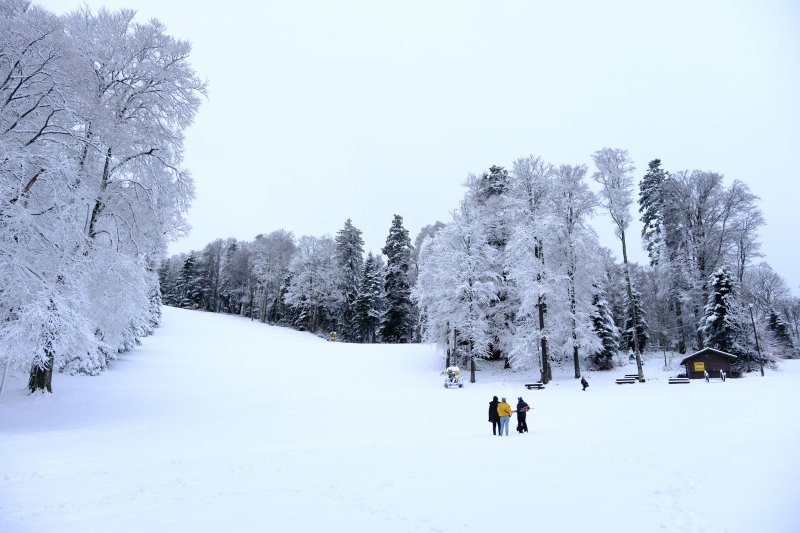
(219, 423)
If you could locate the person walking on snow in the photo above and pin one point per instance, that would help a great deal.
(504, 410)
(522, 415)
(494, 416)
(584, 383)
(705, 375)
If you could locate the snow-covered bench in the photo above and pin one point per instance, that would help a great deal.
(537, 385)
(674, 381)
(626, 380)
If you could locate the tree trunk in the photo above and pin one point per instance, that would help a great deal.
(633, 308)
(681, 331)
(573, 310)
(42, 378)
(472, 370)
(547, 372)
(447, 361)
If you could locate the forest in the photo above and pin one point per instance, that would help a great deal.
(519, 275)
(93, 111)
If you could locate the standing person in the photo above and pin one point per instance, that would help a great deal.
(584, 383)
(522, 415)
(722, 375)
(504, 410)
(705, 375)
(494, 416)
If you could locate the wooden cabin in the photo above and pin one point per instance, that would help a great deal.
(710, 360)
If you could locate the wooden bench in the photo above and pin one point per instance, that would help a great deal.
(629, 376)
(675, 381)
(537, 385)
(621, 381)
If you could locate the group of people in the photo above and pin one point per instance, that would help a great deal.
(500, 415)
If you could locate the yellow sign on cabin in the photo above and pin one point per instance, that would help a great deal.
(699, 366)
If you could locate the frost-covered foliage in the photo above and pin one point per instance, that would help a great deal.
(313, 289)
(615, 176)
(458, 283)
(511, 275)
(92, 112)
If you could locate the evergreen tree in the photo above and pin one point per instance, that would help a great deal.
(607, 331)
(719, 327)
(190, 284)
(642, 333)
(350, 255)
(399, 320)
(780, 329)
(651, 207)
(370, 303)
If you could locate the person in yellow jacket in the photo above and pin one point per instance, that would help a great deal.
(504, 410)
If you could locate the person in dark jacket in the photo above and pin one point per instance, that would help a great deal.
(522, 415)
(494, 416)
(584, 383)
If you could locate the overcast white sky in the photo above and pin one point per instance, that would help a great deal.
(319, 111)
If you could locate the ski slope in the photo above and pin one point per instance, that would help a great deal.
(217, 423)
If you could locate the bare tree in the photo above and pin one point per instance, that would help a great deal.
(615, 175)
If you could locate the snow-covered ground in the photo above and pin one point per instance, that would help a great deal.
(217, 423)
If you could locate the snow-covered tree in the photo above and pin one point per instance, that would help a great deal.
(529, 208)
(615, 176)
(651, 200)
(190, 284)
(574, 242)
(780, 331)
(370, 303)
(457, 285)
(272, 254)
(719, 327)
(398, 322)
(350, 255)
(638, 325)
(486, 201)
(91, 129)
(313, 290)
(607, 331)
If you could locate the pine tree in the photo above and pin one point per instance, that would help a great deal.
(780, 329)
(651, 206)
(642, 334)
(350, 255)
(719, 326)
(607, 331)
(370, 303)
(399, 320)
(189, 284)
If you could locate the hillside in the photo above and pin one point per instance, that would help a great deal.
(219, 423)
